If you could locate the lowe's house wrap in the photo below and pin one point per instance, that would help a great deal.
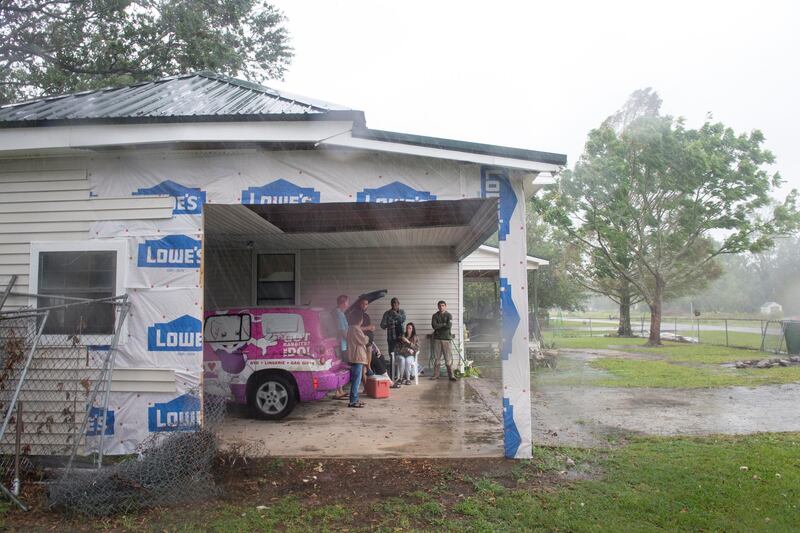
(214, 195)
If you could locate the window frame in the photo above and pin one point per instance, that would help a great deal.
(255, 280)
(121, 275)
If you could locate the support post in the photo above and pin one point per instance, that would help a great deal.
(514, 346)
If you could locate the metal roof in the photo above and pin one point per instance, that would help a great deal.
(210, 97)
(197, 96)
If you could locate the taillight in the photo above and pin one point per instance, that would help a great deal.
(315, 383)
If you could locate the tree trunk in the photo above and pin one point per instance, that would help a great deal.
(624, 329)
(655, 313)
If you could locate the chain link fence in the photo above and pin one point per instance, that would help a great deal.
(54, 390)
(756, 334)
(53, 387)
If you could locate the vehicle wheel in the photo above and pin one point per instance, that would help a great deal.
(272, 397)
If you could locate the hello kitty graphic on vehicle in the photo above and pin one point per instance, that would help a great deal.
(271, 357)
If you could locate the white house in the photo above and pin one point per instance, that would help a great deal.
(203, 191)
(771, 308)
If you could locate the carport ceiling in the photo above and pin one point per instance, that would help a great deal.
(338, 217)
(460, 224)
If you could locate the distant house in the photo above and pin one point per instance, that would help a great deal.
(771, 308)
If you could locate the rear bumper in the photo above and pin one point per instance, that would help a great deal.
(327, 381)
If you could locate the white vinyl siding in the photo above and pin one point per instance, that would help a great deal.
(418, 277)
(227, 278)
(486, 258)
(56, 205)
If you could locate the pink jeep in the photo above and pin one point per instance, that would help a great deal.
(271, 357)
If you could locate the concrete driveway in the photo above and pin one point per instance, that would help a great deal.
(432, 419)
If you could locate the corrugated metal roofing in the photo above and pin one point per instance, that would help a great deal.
(194, 95)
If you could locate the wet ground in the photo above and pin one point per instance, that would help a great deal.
(462, 419)
(589, 416)
(432, 419)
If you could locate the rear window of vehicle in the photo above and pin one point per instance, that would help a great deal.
(283, 324)
(227, 328)
(329, 328)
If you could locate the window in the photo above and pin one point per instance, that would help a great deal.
(227, 328)
(275, 279)
(78, 274)
(282, 325)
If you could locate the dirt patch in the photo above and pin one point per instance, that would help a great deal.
(359, 485)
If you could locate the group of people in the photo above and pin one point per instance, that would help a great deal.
(356, 335)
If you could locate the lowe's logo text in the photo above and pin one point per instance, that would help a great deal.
(172, 251)
(188, 200)
(394, 192)
(94, 422)
(180, 414)
(183, 334)
(280, 192)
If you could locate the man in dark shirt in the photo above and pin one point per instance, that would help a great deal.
(392, 322)
(442, 323)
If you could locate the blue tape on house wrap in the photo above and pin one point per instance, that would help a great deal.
(511, 438)
(510, 316)
(495, 184)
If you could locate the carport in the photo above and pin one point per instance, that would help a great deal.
(352, 248)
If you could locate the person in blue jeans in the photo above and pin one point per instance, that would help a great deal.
(357, 355)
(340, 321)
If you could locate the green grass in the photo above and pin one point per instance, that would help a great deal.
(662, 485)
(674, 365)
(664, 374)
(650, 484)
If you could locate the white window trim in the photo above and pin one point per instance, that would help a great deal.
(120, 247)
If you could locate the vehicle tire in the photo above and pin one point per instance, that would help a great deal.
(272, 396)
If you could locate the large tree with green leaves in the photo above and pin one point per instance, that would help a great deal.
(52, 47)
(657, 191)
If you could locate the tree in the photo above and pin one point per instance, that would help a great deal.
(656, 192)
(750, 280)
(554, 286)
(52, 47)
(598, 276)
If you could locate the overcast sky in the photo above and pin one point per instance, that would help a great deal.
(540, 75)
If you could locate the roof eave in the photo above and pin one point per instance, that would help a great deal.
(550, 158)
(357, 117)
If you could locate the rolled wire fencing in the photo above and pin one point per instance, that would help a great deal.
(166, 470)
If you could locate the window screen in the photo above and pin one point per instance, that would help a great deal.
(78, 275)
(275, 283)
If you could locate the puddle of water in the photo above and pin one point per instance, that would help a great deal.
(568, 410)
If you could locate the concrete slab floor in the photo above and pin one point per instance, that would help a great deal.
(432, 419)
